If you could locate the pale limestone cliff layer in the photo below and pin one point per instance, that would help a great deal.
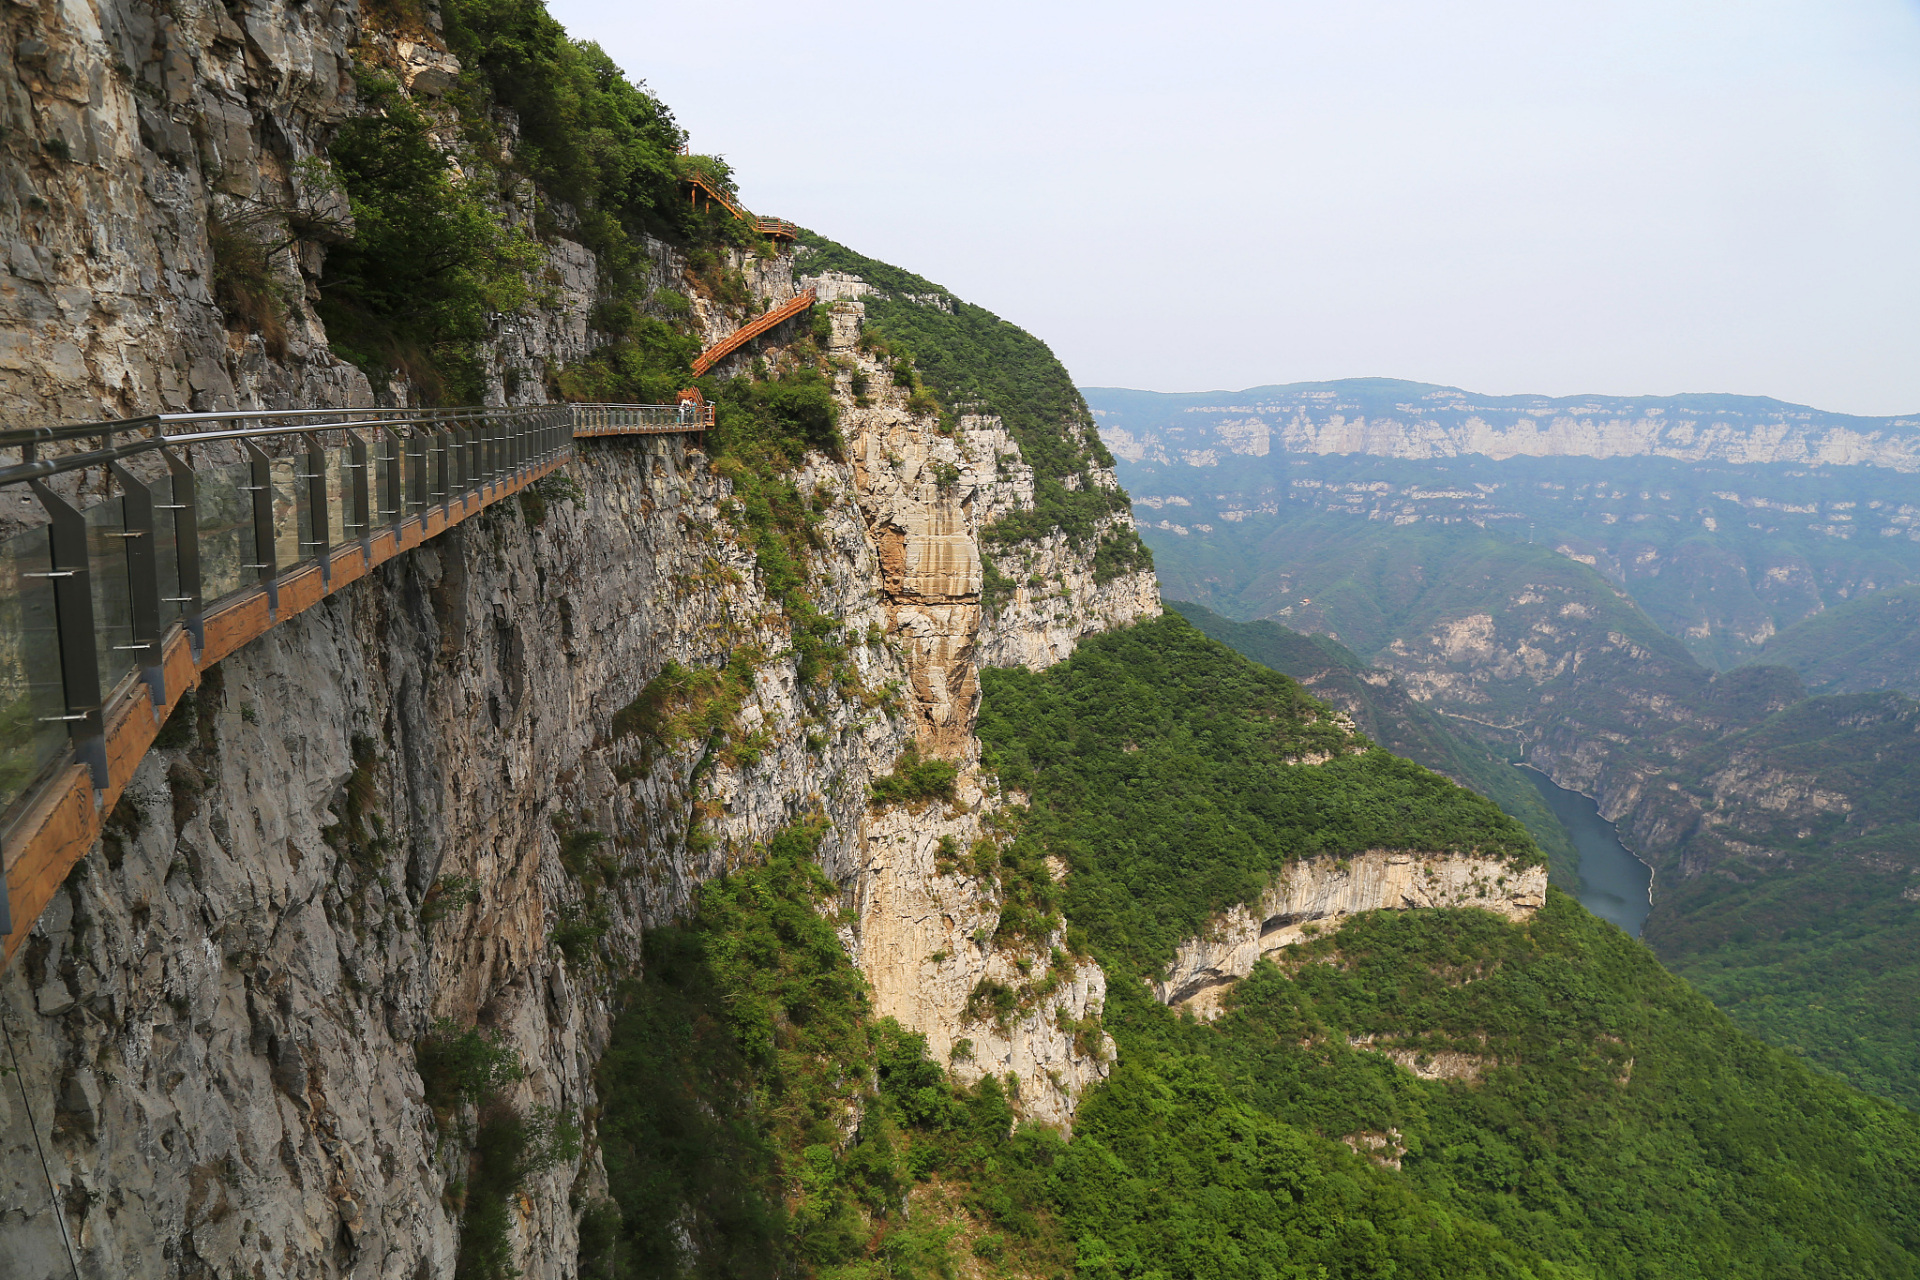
(1315, 895)
(924, 941)
(1215, 435)
(925, 496)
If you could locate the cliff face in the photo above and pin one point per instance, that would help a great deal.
(220, 1009)
(1316, 895)
(127, 124)
(219, 1012)
(361, 828)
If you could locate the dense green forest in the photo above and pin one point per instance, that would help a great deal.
(1616, 1121)
(1384, 711)
(1810, 944)
(1822, 954)
(740, 1060)
(1591, 1115)
(1159, 764)
(1869, 642)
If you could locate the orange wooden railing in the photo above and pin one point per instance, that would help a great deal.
(699, 184)
(740, 337)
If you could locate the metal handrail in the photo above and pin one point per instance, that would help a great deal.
(405, 472)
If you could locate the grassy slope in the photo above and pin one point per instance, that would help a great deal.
(1872, 642)
(1382, 710)
(1628, 1127)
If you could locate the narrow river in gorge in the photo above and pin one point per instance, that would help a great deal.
(1614, 884)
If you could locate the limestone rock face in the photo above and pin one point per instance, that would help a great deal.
(924, 938)
(217, 1017)
(129, 125)
(1319, 893)
(359, 829)
(925, 943)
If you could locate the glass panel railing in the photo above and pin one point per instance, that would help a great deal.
(339, 478)
(166, 553)
(416, 463)
(114, 647)
(386, 467)
(288, 532)
(226, 530)
(32, 699)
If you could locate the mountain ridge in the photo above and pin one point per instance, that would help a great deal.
(1398, 418)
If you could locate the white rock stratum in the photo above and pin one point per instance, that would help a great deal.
(1317, 894)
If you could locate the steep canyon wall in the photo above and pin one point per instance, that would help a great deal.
(359, 829)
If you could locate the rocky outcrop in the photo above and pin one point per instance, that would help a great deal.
(1316, 894)
(924, 941)
(925, 494)
(129, 127)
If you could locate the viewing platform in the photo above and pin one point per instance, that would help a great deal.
(219, 527)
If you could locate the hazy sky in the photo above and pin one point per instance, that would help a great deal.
(1628, 197)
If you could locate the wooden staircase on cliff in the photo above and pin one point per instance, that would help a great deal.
(699, 185)
(747, 333)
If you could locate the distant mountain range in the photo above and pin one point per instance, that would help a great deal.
(1388, 417)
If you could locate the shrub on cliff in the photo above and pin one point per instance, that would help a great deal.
(914, 781)
(428, 261)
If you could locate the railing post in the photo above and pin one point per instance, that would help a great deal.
(266, 563)
(143, 579)
(442, 479)
(460, 463)
(73, 610)
(186, 546)
(317, 521)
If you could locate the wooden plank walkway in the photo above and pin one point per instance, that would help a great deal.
(62, 819)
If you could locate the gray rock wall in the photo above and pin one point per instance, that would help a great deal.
(216, 1018)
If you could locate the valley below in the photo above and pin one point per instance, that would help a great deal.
(855, 824)
(1624, 626)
